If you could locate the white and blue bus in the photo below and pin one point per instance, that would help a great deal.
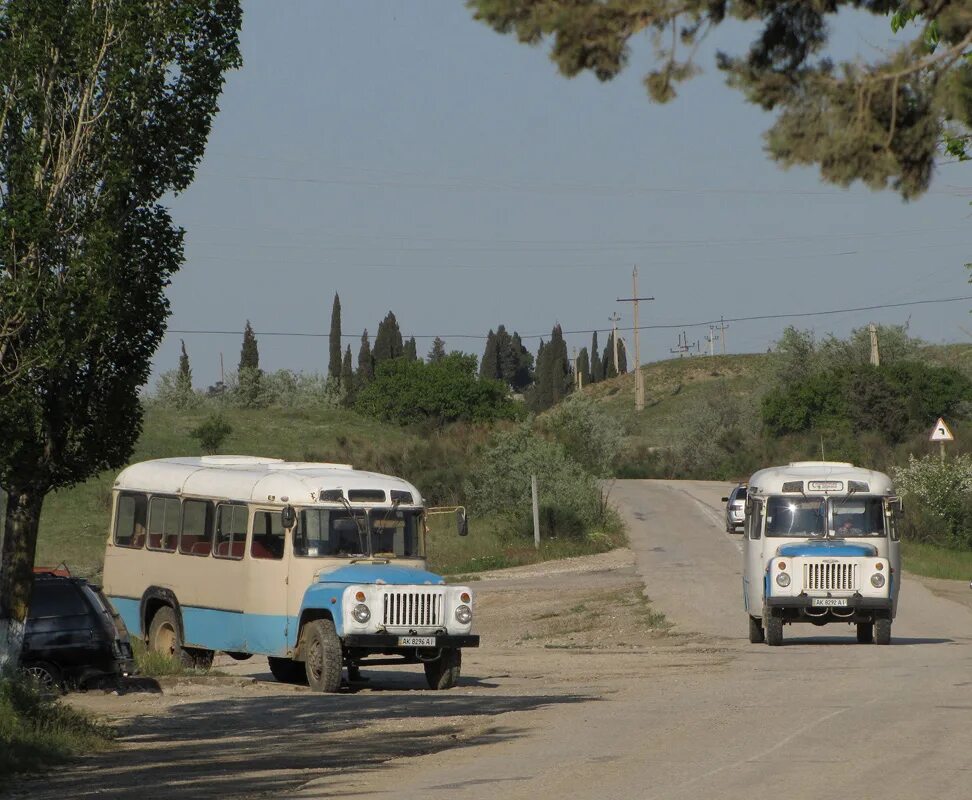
(821, 546)
(319, 567)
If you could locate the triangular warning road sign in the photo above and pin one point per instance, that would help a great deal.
(941, 433)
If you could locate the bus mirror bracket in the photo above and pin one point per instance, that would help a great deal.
(288, 517)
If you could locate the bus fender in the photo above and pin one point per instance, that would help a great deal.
(152, 600)
(321, 601)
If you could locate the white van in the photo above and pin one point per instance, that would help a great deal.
(821, 546)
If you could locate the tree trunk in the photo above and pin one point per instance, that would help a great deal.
(17, 569)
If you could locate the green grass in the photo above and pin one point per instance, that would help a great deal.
(38, 732)
(936, 562)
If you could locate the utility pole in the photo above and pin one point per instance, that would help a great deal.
(615, 318)
(682, 347)
(711, 339)
(578, 383)
(639, 384)
(222, 377)
(875, 354)
(722, 326)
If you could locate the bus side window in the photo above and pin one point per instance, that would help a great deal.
(130, 522)
(754, 521)
(230, 531)
(268, 535)
(197, 528)
(163, 524)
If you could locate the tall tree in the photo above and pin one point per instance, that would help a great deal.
(524, 368)
(554, 378)
(489, 363)
(622, 357)
(366, 363)
(334, 363)
(438, 351)
(597, 365)
(347, 374)
(388, 340)
(410, 350)
(184, 378)
(106, 110)
(249, 352)
(584, 366)
(883, 122)
(608, 366)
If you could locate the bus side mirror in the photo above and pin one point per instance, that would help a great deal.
(725, 499)
(462, 522)
(895, 504)
(288, 517)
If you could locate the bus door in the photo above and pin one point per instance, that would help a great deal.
(268, 608)
(754, 564)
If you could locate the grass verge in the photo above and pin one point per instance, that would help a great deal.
(38, 731)
(933, 561)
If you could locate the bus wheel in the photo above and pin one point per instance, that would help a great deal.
(322, 655)
(865, 632)
(287, 670)
(882, 631)
(774, 631)
(443, 673)
(756, 634)
(164, 636)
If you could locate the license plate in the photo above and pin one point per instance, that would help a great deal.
(416, 641)
(829, 602)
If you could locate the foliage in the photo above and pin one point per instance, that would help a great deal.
(410, 349)
(212, 432)
(366, 363)
(588, 435)
(571, 502)
(347, 376)
(171, 391)
(249, 351)
(882, 122)
(388, 340)
(554, 378)
(438, 351)
(584, 366)
(506, 359)
(938, 499)
(444, 391)
(597, 363)
(107, 108)
(334, 363)
(38, 731)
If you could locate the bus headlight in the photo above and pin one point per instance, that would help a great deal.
(361, 613)
(877, 580)
(463, 614)
(783, 580)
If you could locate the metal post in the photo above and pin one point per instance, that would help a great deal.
(536, 511)
(639, 379)
(875, 353)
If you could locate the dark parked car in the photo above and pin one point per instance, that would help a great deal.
(735, 508)
(73, 635)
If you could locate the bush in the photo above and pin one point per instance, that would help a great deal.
(590, 437)
(172, 391)
(938, 495)
(212, 432)
(444, 391)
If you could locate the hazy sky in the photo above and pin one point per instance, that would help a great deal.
(413, 160)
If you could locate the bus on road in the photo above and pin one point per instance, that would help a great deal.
(319, 567)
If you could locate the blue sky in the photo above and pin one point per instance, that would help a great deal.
(413, 160)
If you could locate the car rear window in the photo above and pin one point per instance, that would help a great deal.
(56, 600)
(740, 494)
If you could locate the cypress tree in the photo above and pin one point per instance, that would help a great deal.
(347, 374)
(438, 351)
(507, 357)
(366, 363)
(249, 354)
(388, 340)
(622, 357)
(185, 371)
(524, 368)
(489, 363)
(409, 350)
(584, 366)
(334, 364)
(597, 366)
(607, 361)
(561, 379)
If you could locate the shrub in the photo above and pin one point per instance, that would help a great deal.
(939, 499)
(590, 437)
(212, 432)
(173, 391)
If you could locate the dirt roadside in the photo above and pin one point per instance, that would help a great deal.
(569, 631)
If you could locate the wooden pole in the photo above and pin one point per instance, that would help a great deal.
(536, 511)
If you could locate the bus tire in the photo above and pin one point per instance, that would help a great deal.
(865, 632)
(443, 673)
(165, 637)
(323, 661)
(756, 634)
(774, 631)
(286, 670)
(882, 630)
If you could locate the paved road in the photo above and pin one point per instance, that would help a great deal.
(820, 716)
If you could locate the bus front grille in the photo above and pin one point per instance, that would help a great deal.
(413, 609)
(830, 577)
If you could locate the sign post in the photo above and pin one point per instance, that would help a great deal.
(941, 434)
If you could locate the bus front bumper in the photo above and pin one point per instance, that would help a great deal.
(856, 602)
(391, 641)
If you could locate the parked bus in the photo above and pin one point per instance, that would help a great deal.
(316, 566)
(821, 546)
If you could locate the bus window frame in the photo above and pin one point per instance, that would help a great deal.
(234, 504)
(148, 524)
(114, 533)
(209, 522)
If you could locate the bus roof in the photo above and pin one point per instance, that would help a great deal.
(833, 477)
(251, 478)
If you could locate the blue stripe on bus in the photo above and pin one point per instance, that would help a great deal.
(827, 550)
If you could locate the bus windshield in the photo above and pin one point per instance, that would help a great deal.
(384, 532)
(812, 516)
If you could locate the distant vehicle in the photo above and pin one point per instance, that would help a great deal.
(822, 546)
(319, 567)
(73, 635)
(735, 508)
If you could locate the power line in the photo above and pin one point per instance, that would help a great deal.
(665, 326)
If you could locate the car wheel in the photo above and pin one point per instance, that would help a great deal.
(882, 631)
(165, 639)
(774, 631)
(286, 670)
(322, 656)
(443, 673)
(46, 675)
